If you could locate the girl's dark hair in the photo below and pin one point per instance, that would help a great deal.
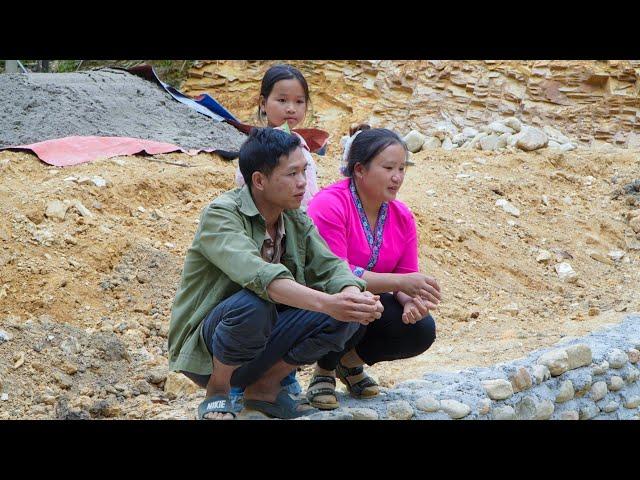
(369, 143)
(274, 75)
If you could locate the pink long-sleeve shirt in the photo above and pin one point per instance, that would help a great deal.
(335, 213)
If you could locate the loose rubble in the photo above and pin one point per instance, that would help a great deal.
(572, 388)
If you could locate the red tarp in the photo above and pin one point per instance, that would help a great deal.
(67, 151)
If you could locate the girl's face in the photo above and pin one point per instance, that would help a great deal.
(285, 103)
(382, 180)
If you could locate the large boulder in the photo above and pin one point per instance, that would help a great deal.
(475, 141)
(56, 210)
(469, 132)
(513, 123)
(499, 128)
(447, 144)
(555, 135)
(177, 385)
(431, 143)
(448, 128)
(532, 139)
(414, 141)
(492, 142)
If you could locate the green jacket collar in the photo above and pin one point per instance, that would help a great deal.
(247, 206)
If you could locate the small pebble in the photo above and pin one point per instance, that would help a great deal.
(455, 409)
(632, 374)
(363, 413)
(616, 383)
(589, 411)
(632, 402)
(570, 415)
(617, 358)
(566, 392)
(611, 407)
(504, 412)
(599, 369)
(4, 337)
(544, 410)
(557, 361)
(484, 406)
(598, 391)
(498, 389)
(400, 410)
(541, 373)
(521, 380)
(428, 404)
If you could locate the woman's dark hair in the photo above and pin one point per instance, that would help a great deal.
(369, 143)
(261, 151)
(273, 76)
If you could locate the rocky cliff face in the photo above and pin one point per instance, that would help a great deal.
(590, 101)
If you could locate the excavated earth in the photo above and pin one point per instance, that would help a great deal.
(85, 301)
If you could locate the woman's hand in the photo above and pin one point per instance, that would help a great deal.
(419, 285)
(414, 310)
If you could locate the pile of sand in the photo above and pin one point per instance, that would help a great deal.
(107, 102)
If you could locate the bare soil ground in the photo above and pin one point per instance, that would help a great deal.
(86, 301)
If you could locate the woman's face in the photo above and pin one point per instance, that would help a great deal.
(286, 103)
(383, 177)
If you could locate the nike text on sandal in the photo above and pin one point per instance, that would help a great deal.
(216, 404)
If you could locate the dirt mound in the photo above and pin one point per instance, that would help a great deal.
(110, 278)
(90, 268)
(105, 102)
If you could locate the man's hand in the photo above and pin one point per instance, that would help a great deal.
(379, 306)
(354, 306)
(414, 310)
(419, 285)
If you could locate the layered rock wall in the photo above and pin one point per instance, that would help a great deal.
(587, 100)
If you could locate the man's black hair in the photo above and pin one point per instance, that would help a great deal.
(261, 151)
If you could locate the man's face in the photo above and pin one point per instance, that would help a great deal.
(285, 186)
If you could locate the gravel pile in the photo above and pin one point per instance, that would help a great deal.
(106, 102)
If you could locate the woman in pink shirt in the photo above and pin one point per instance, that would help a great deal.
(364, 224)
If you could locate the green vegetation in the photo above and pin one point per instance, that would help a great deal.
(173, 72)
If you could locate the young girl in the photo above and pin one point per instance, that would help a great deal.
(284, 97)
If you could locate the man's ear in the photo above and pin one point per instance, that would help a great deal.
(257, 180)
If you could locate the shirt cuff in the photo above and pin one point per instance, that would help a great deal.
(268, 273)
(358, 271)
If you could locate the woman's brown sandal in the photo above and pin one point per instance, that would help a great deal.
(322, 386)
(365, 388)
